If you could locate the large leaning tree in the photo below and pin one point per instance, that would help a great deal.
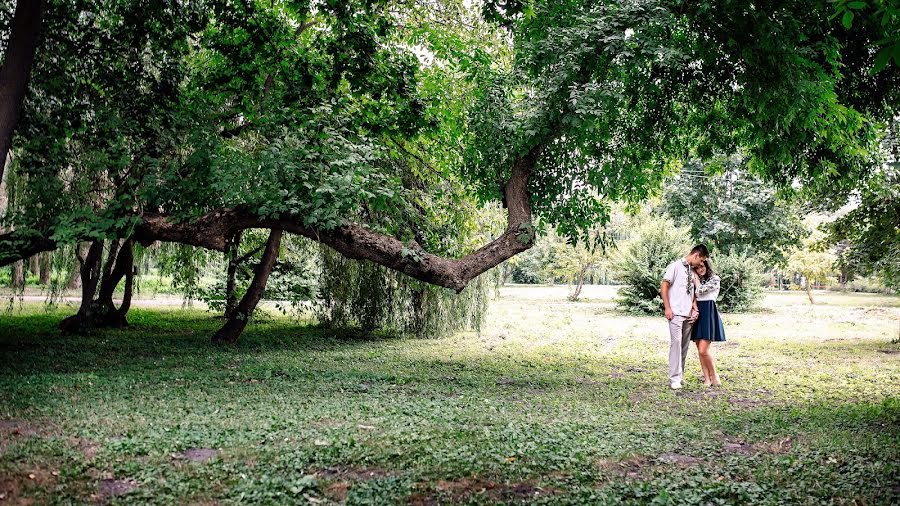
(189, 122)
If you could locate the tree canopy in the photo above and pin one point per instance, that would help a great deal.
(363, 124)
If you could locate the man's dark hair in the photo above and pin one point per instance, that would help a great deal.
(700, 249)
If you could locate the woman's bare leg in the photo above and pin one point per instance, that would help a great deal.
(703, 365)
(703, 351)
(707, 358)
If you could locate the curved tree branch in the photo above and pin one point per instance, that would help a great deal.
(214, 229)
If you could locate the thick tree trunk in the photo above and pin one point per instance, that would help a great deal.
(83, 321)
(231, 254)
(117, 267)
(16, 69)
(237, 321)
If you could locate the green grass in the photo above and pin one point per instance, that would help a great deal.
(554, 402)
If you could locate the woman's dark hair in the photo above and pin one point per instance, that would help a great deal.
(709, 272)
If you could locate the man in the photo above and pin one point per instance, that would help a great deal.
(678, 296)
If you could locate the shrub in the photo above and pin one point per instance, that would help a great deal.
(641, 262)
(742, 281)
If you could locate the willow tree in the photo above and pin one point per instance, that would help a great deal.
(306, 116)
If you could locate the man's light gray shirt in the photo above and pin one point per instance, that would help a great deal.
(681, 287)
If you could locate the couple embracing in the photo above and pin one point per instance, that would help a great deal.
(689, 291)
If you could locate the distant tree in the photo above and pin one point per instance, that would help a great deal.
(732, 211)
(869, 234)
(813, 264)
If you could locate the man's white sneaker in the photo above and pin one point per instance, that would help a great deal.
(675, 385)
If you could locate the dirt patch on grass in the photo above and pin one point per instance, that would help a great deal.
(10, 428)
(10, 490)
(199, 454)
(341, 480)
(87, 447)
(112, 487)
(739, 446)
(351, 473)
(632, 467)
(780, 446)
(678, 459)
(465, 489)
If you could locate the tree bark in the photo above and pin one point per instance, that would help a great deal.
(45, 268)
(75, 278)
(18, 275)
(231, 254)
(214, 230)
(34, 265)
(16, 69)
(579, 283)
(82, 321)
(236, 323)
(809, 291)
(117, 267)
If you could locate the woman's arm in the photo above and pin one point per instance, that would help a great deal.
(711, 285)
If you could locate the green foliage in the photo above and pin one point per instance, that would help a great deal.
(870, 230)
(741, 285)
(732, 211)
(882, 14)
(642, 261)
(812, 263)
(369, 297)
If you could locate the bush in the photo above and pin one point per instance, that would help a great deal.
(742, 281)
(866, 285)
(642, 261)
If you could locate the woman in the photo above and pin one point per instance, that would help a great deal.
(708, 328)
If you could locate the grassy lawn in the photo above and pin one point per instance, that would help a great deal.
(553, 402)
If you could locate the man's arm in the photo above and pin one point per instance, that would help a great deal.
(664, 290)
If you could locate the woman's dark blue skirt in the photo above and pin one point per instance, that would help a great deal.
(709, 325)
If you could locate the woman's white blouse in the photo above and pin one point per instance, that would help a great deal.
(710, 289)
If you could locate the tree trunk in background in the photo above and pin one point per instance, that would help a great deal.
(580, 283)
(809, 290)
(16, 69)
(237, 321)
(82, 322)
(34, 265)
(18, 275)
(75, 278)
(45, 262)
(231, 254)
